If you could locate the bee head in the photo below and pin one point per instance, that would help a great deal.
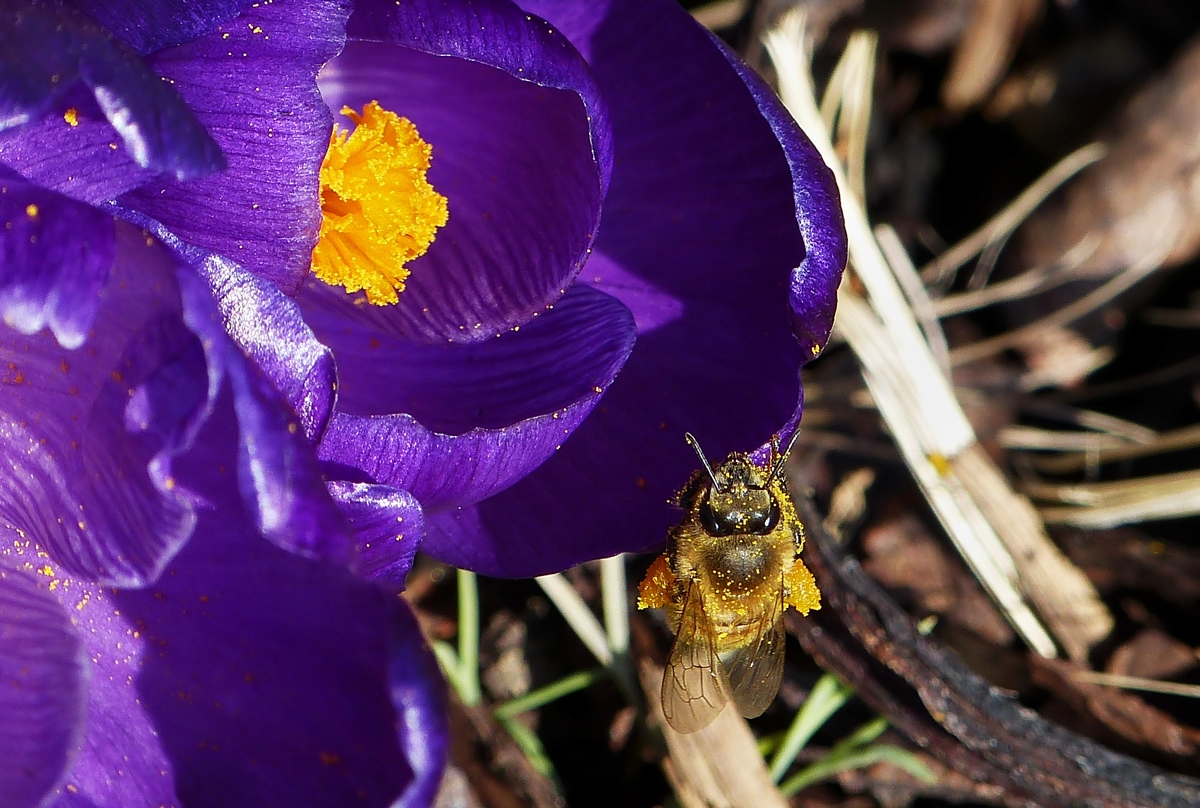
(737, 498)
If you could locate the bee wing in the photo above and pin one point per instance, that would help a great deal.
(694, 686)
(754, 670)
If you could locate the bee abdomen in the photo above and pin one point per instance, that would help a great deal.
(739, 566)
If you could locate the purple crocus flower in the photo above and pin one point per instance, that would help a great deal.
(639, 242)
(612, 177)
(179, 620)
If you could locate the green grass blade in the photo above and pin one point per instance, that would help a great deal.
(531, 746)
(448, 660)
(544, 695)
(468, 639)
(857, 758)
(826, 698)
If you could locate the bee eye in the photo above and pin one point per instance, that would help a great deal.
(712, 523)
(762, 522)
(772, 518)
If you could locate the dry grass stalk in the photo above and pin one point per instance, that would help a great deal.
(1027, 283)
(1064, 596)
(1102, 422)
(578, 615)
(716, 767)
(1137, 271)
(918, 296)
(1032, 438)
(1105, 505)
(845, 110)
(997, 531)
(993, 32)
(1138, 683)
(1186, 438)
(966, 524)
(1000, 227)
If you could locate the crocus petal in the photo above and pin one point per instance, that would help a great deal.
(282, 659)
(87, 436)
(43, 683)
(281, 481)
(521, 149)
(502, 406)
(150, 25)
(48, 47)
(387, 524)
(55, 256)
(278, 473)
(247, 676)
(270, 328)
(546, 365)
(700, 240)
(253, 83)
(110, 418)
(813, 293)
(73, 150)
(38, 62)
(420, 700)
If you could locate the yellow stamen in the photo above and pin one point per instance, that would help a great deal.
(379, 210)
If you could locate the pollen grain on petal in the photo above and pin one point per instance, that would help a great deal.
(380, 212)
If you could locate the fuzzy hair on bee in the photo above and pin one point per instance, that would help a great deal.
(731, 567)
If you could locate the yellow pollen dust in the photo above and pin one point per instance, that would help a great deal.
(71, 116)
(379, 210)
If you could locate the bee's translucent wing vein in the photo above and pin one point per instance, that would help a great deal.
(694, 688)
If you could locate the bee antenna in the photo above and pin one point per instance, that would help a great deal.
(783, 456)
(695, 444)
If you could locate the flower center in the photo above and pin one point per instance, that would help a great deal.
(379, 210)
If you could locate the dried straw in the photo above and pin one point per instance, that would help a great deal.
(997, 531)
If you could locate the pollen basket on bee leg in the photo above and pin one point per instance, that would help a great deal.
(800, 587)
(655, 590)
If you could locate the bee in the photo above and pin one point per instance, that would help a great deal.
(731, 567)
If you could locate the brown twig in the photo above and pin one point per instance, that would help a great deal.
(861, 635)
